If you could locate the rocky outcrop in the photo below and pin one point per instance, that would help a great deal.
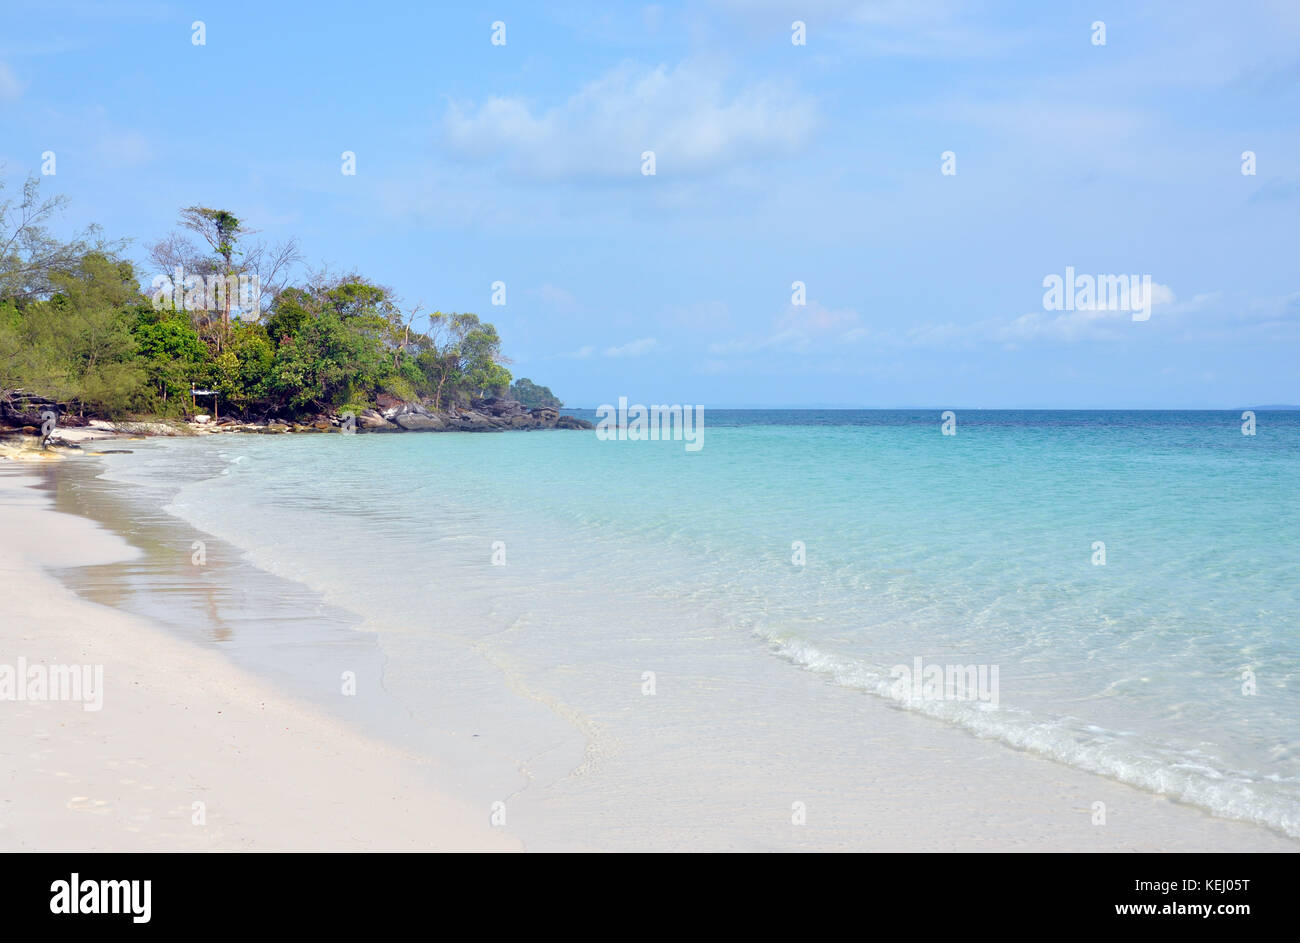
(412, 417)
(420, 422)
(572, 422)
(499, 408)
(546, 415)
(481, 415)
(372, 421)
(170, 429)
(21, 414)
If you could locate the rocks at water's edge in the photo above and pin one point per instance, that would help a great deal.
(482, 415)
(22, 416)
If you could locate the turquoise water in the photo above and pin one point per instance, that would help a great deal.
(972, 549)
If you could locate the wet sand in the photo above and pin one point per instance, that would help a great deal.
(188, 752)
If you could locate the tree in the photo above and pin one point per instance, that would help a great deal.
(172, 354)
(336, 341)
(532, 395)
(470, 363)
(75, 326)
(264, 268)
(221, 230)
(82, 333)
(15, 355)
(29, 255)
(242, 373)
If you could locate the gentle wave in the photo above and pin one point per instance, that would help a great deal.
(1158, 768)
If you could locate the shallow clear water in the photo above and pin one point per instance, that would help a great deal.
(973, 549)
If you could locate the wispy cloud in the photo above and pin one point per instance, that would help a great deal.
(1090, 323)
(636, 348)
(1277, 190)
(10, 88)
(686, 115)
(815, 328)
(556, 297)
(798, 327)
(124, 147)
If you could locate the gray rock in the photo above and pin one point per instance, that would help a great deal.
(498, 407)
(152, 428)
(394, 413)
(471, 421)
(546, 415)
(372, 421)
(421, 421)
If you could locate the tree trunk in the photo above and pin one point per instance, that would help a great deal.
(437, 396)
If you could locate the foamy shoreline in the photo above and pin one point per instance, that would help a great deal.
(277, 774)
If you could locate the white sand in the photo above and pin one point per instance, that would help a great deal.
(179, 725)
(713, 763)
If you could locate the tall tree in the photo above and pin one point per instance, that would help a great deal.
(86, 353)
(221, 230)
(29, 255)
(470, 362)
(229, 254)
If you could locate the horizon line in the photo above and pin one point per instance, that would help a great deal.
(1277, 407)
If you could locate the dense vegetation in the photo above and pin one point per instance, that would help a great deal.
(532, 395)
(77, 326)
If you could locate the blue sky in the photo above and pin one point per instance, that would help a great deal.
(775, 163)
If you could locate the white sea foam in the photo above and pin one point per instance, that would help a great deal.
(1160, 768)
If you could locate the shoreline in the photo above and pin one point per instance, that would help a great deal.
(180, 725)
(25, 418)
(922, 786)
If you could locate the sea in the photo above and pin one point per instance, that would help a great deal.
(1123, 584)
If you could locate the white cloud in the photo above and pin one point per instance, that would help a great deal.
(796, 328)
(926, 334)
(124, 147)
(10, 87)
(1090, 323)
(634, 348)
(818, 328)
(815, 319)
(686, 115)
(556, 297)
(749, 345)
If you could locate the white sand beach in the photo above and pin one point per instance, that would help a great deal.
(180, 724)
